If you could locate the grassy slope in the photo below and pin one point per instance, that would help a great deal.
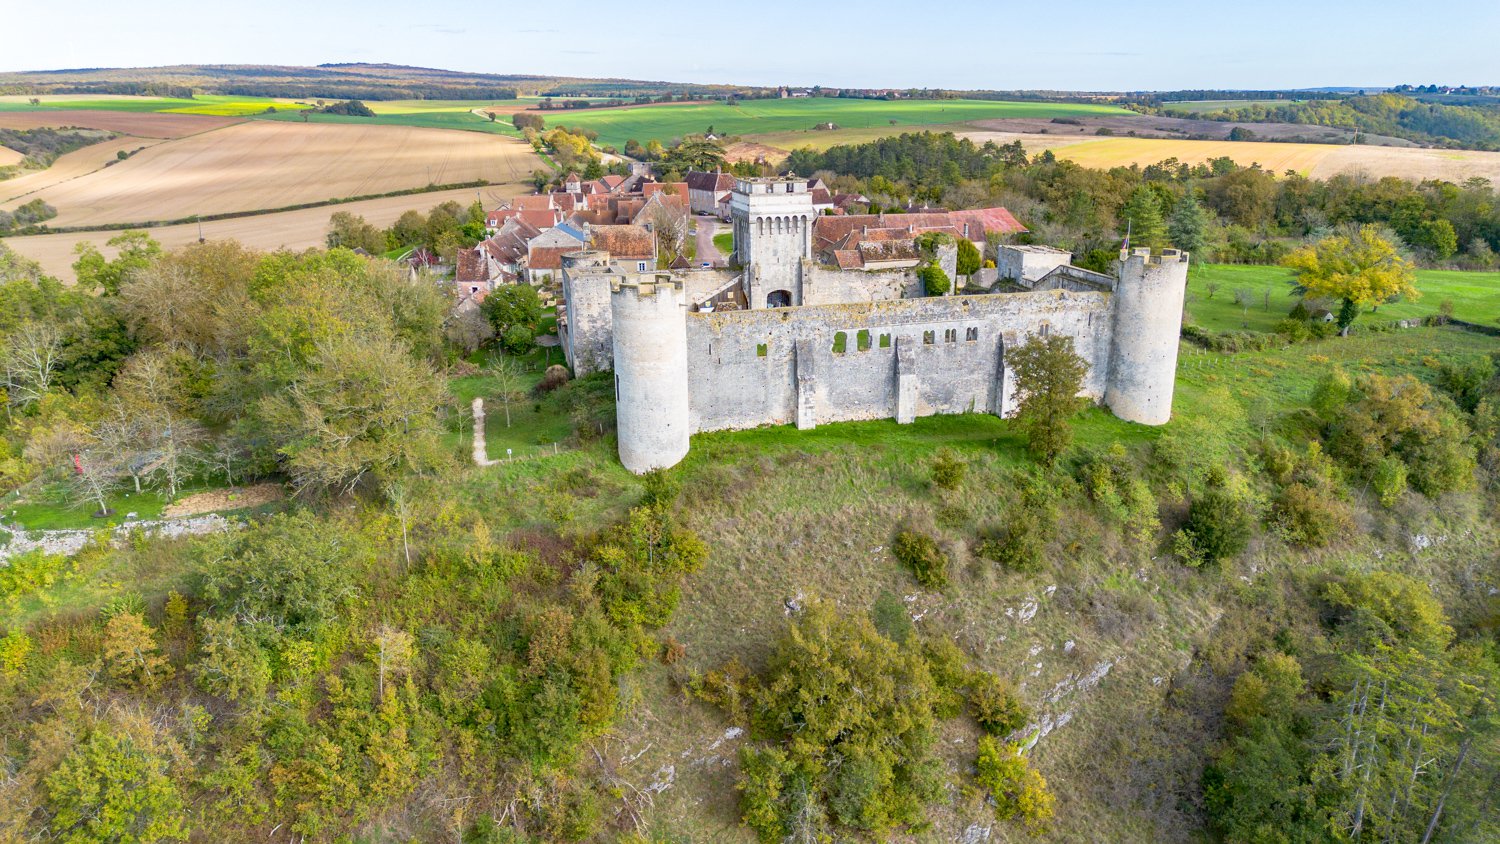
(1475, 297)
(792, 513)
(665, 122)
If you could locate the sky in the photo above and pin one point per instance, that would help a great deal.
(964, 44)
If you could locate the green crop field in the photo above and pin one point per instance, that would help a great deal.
(424, 120)
(1475, 297)
(753, 117)
(1206, 106)
(219, 106)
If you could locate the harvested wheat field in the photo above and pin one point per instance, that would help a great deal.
(79, 162)
(299, 229)
(9, 157)
(140, 124)
(268, 165)
(1319, 161)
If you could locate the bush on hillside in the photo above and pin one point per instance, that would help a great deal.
(1217, 528)
(920, 553)
(948, 470)
(995, 705)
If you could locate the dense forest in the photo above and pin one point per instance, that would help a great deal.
(1219, 210)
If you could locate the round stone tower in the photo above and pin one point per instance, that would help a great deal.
(651, 374)
(1147, 326)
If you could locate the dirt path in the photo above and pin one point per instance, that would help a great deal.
(224, 499)
(707, 249)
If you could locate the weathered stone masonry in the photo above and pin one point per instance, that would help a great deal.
(855, 344)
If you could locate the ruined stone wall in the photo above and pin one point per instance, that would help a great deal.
(589, 342)
(831, 286)
(897, 358)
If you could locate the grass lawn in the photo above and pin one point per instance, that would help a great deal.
(668, 121)
(1475, 297)
(724, 242)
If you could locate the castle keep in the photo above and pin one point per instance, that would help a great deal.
(790, 339)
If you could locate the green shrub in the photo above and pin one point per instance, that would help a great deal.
(920, 553)
(948, 470)
(934, 281)
(995, 705)
(1311, 517)
(1388, 479)
(1217, 527)
(1022, 545)
(518, 339)
(1294, 330)
(1015, 788)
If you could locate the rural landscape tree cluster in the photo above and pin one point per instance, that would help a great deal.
(1220, 211)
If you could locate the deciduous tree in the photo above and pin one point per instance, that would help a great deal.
(1049, 375)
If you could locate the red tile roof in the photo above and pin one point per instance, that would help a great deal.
(627, 243)
(991, 220)
(532, 203)
(548, 257)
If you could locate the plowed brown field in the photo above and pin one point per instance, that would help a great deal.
(290, 229)
(268, 165)
(140, 124)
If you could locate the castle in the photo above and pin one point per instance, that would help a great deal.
(787, 338)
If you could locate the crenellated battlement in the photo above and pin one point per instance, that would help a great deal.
(1141, 255)
(650, 284)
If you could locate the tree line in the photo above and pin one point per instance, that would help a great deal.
(1248, 214)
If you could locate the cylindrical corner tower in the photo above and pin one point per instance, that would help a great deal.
(651, 375)
(1147, 326)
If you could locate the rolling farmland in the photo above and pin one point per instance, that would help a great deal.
(267, 165)
(299, 229)
(754, 117)
(78, 163)
(9, 157)
(1315, 160)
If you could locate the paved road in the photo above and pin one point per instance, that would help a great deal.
(707, 251)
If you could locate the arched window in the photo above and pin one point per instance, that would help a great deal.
(779, 299)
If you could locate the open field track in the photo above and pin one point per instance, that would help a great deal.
(299, 229)
(268, 165)
(140, 124)
(1319, 161)
(9, 157)
(73, 165)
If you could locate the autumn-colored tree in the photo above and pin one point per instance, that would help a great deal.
(1359, 267)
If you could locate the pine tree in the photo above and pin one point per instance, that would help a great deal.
(1142, 213)
(1186, 228)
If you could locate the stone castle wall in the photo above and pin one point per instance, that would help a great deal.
(916, 357)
